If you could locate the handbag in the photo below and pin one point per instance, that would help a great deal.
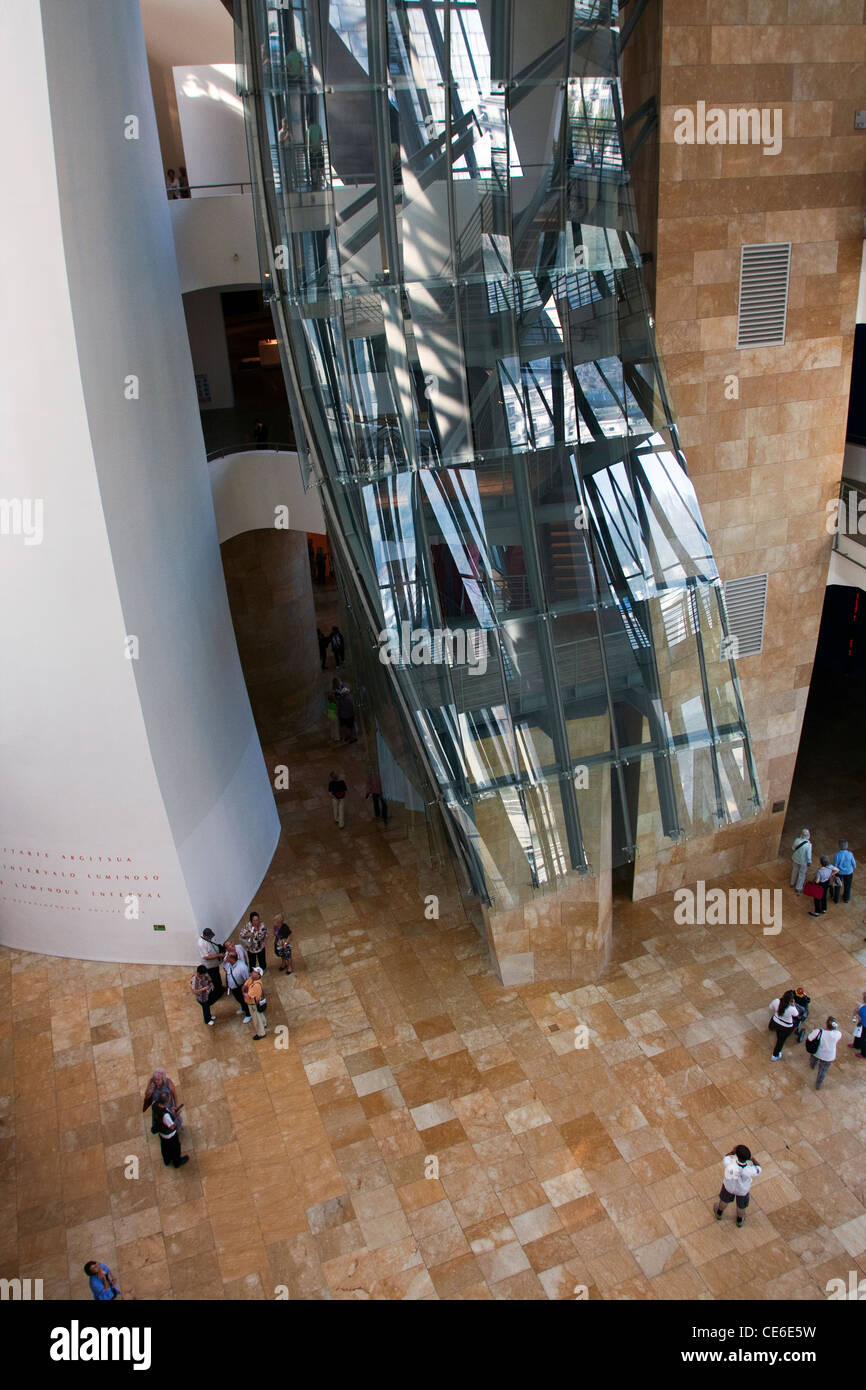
(812, 1044)
(814, 890)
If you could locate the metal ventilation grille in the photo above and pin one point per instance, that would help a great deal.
(764, 272)
(746, 602)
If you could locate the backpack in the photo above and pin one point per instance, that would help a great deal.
(812, 1044)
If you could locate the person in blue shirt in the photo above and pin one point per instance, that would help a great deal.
(860, 1017)
(102, 1284)
(846, 864)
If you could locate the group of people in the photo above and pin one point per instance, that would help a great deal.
(833, 877)
(177, 184)
(244, 964)
(341, 712)
(788, 1016)
(335, 641)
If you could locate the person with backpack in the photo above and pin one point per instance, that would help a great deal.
(801, 858)
(859, 1021)
(783, 1021)
(740, 1173)
(821, 1044)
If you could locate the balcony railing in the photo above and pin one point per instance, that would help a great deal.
(225, 190)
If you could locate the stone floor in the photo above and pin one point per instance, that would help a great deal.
(314, 1166)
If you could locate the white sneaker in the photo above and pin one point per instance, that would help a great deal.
(248, 1019)
(211, 1022)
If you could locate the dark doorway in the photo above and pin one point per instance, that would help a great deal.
(257, 379)
(827, 793)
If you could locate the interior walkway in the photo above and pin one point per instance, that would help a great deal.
(558, 1166)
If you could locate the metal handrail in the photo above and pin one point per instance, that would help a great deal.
(176, 194)
(266, 448)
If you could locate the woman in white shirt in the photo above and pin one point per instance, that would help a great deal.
(783, 1022)
(825, 1053)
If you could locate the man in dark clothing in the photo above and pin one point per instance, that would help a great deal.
(169, 1136)
(320, 566)
(337, 789)
(323, 647)
(338, 646)
(346, 715)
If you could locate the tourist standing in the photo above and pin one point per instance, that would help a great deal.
(160, 1092)
(802, 1000)
(346, 712)
(801, 857)
(338, 646)
(824, 1050)
(169, 1137)
(323, 647)
(740, 1172)
(237, 975)
(374, 790)
(283, 948)
(783, 1022)
(337, 790)
(844, 861)
(202, 987)
(333, 716)
(210, 954)
(255, 999)
(859, 1021)
(824, 877)
(253, 937)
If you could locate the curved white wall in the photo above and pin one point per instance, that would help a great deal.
(208, 234)
(248, 487)
(121, 777)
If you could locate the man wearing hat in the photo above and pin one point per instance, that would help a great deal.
(210, 954)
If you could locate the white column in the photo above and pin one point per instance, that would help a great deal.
(128, 755)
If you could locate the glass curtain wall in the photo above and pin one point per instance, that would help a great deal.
(448, 240)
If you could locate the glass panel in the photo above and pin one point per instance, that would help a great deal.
(450, 245)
